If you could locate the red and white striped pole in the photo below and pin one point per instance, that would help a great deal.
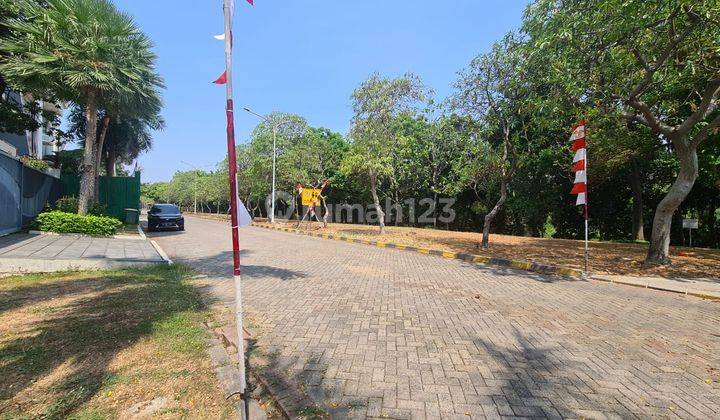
(580, 166)
(228, 7)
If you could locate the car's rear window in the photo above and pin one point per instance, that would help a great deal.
(165, 209)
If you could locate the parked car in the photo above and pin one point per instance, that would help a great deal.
(165, 216)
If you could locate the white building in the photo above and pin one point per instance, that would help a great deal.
(33, 143)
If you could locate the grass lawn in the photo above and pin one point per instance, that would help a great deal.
(89, 345)
(605, 257)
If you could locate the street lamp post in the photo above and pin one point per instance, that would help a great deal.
(274, 131)
(196, 181)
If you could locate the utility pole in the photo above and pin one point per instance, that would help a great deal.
(275, 127)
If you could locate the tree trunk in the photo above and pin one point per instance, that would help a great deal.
(491, 215)
(98, 157)
(398, 209)
(87, 177)
(110, 163)
(658, 253)
(376, 201)
(638, 222)
(505, 179)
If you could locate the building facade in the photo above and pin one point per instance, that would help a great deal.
(37, 144)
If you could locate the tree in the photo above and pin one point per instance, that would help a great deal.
(84, 51)
(490, 91)
(656, 65)
(376, 105)
(123, 137)
(17, 117)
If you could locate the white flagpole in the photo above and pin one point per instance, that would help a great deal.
(228, 12)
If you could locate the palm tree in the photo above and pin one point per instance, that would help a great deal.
(84, 51)
(123, 139)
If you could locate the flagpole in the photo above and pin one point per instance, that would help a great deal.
(232, 178)
(587, 257)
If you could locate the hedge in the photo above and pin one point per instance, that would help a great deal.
(61, 222)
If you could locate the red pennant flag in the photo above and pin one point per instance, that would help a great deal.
(222, 79)
(578, 166)
(579, 188)
(578, 144)
(251, 2)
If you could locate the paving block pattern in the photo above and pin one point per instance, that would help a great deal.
(372, 332)
(63, 247)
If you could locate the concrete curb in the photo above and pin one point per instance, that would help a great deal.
(141, 232)
(703, 294)
(287, 396)
(162, 253)
(473, 258)
(37, 265)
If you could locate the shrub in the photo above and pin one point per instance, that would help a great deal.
(96, 208)
(549, 229)
(62, 222)
(37, 164)
(67, 204)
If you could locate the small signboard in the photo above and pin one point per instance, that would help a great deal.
(310, 196)
(690, 223)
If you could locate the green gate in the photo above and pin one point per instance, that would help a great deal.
(116, 193)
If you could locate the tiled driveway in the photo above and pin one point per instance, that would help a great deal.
(384, 333)
(35, 252)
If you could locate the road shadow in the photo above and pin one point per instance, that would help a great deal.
(535, 380)
(306, 391)
(79, 339)
(220, 265)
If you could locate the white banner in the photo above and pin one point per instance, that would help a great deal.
(580, 199)
(243, 217)
(580, 177)
(578, 133)
(579, 155)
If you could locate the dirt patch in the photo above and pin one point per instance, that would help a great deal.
(605, 257)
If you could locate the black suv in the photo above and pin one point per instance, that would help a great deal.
(163, 216)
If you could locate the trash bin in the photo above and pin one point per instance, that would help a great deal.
(132, 216)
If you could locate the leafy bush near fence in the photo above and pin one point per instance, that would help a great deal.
(37, 164)
(67, 204)
(62, 222)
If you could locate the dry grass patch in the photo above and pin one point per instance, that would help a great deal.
(95, 344)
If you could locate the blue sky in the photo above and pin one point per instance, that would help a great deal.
(304, 57)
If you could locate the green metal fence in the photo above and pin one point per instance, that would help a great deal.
(116, 193)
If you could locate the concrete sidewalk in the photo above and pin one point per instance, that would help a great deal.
(26, 252)
(708, 288)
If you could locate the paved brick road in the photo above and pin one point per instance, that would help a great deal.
(375, 332)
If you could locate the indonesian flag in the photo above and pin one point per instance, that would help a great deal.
(579, 163)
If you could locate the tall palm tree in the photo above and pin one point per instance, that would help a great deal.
(84, 51)
(125, 137)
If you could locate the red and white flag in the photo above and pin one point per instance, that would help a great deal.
(579, 163)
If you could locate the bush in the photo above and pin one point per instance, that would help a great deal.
(37, 164)
(67, 204)
(62, 222)
(96, 208)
